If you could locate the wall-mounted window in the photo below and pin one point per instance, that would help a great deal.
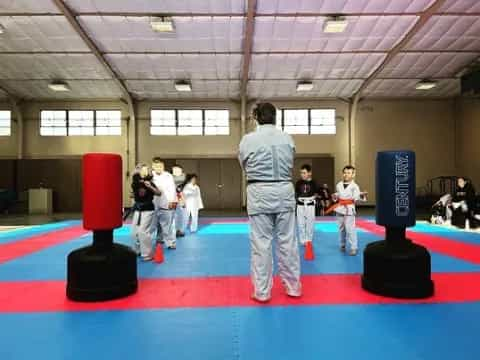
(189, 122)
(307, 121)
(108, 122)
(80, 122)
(217, 122)
(53, 123)
(5, 123)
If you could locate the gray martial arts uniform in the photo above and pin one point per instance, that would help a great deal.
(266, 156)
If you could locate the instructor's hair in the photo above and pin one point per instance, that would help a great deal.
(306, 167)
(265, 113)
(349, 167)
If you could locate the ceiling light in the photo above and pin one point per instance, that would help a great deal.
(335, 24)
(162, 24)
(305, 86)
(58, 86)
(2, 29)
(183, 86)
(425, 85)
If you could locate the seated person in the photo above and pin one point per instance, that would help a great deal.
(441, 210)
(463, 202)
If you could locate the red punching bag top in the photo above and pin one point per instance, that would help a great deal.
(102, 191)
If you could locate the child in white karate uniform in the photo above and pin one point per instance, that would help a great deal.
(193, 201)
(346, 195)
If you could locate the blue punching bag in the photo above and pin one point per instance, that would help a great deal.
(396, 267)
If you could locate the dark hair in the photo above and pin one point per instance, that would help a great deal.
(265, 113)
(177, 166)
(190, 177)
(349, 167)
(157, 159)
(306, 167)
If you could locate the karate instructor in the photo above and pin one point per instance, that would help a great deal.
(266, 155)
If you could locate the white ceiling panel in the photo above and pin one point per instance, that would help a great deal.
(48, 66)
(157, 6)
(448, 33)
(204, 89)
(28, 6)
(118, 33)
(466, 6)
(306, 33)
(39, 33)
(267, 89)
(79, 89)
(341, 6)
(306, 66)
(406, 88)
(426, 65)
(141, 66)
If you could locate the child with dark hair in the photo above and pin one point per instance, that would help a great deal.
(346, 195)
(143, 223)
(463, 204)
(306, 192)
(193, 201)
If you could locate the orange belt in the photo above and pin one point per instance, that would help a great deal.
(339, 203)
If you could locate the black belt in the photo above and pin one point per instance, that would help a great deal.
(307, 204)
(266, 181)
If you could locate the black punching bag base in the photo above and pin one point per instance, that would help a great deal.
(102, 271)
(397, 269)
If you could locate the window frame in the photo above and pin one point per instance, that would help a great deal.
(281, 126)
(67, 122)
(9, 127)
(177, 121)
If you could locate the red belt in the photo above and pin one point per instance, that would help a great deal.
(339, 203)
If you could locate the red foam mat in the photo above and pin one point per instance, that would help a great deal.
(29, 245)
(460, 250)
(49, 296)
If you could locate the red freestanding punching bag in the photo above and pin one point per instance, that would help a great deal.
(103, 270)
(102, 191)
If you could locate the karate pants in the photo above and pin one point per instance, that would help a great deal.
(347, 231)
(192, 212)
(165, 220)
(265, 228)
(142, 232)
(181, 218)
(305, 222)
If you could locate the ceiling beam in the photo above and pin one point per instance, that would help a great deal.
(422, 20)
(236, 79)
(70, 16)
(212, 53)
(11, 95)
(247, 46)
(241, 14)
(463, 69)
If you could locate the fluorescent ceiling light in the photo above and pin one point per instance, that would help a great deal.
(58, 86)
(305, 86)
(2, 29)
(162, 24)
(183, 86)
(335, 24)
(425, 85)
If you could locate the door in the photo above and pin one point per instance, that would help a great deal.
(324, 171)
(210, 184)
(230, 184)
